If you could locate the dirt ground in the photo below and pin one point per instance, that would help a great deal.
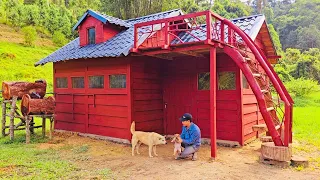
(232, 163)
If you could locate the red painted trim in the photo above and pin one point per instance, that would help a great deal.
(239, 60)
(213, 105)
(130, 99)
(241, 125)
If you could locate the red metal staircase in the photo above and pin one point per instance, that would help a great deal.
(167, 35)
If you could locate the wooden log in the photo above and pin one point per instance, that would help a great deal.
(297, 161)
(37, 106)
(266, 139)
(36, 89)
(12, 111)
(278, 153)
(3, 127)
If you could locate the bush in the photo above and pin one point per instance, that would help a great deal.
(59, 39)
(30, 35)
(301, 87)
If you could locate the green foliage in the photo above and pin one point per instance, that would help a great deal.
(30, 35)
(59, 39)
(231, 8)
(298, 23)
(275, 38)
(301, 87)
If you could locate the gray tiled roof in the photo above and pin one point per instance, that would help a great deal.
(121, 43)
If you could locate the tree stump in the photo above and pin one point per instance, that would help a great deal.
(278, 153)
(297, 161)
(36, 89)
(37, 106)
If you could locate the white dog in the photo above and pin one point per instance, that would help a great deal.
(151, 139)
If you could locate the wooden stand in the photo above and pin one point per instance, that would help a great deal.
(28, 119)
(9, 109)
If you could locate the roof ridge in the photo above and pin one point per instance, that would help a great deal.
(105, 14)
(152, 14)
(246, 17)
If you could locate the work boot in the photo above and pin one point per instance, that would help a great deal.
(194, 156)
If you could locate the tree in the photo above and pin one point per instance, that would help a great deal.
(59, 39)
(30, 35)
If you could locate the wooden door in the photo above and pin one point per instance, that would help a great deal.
(178, 99)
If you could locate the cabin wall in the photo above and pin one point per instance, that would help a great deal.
(103, 111)
(147, 97)
(185, 97)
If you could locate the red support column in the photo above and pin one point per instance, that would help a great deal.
(213, 91)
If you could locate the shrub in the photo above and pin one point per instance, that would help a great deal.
(59, 39)
(301, 87)
(30, 35)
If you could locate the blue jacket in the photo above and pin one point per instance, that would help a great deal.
(191, 136)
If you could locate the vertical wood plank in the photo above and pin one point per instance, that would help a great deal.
(43, 127)
(51, 128)
(213, 106)
(12, 111)
(27, 118)
(3, 127)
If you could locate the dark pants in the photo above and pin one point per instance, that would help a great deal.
(188, 150)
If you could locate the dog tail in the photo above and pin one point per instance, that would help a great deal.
(133, 127)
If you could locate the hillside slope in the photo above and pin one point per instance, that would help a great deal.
(17, 60)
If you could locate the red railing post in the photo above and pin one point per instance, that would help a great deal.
(135, 37)
(222, 31)
(166, 35)
(209, 27)
(287, 125)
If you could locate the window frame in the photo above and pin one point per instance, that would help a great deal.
(84, 82)
(235, 80)
(56, 82)
(109, 82)
(92, 75)
(88, 35)
(198, 82)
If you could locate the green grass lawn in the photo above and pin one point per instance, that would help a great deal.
(17, 63)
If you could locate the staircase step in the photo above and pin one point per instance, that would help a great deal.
(270, 108)
(262, 127)
(256, 75)
(259, 127)
(247, 59)
(266, 139)
(264, 91)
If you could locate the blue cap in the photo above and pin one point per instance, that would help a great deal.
(186, 117)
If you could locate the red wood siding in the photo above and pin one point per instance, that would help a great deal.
(228, 101)
(103, 31)
(96, 111)
(147, 97)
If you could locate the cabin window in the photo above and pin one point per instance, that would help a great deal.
(62, 82)
(117, 81)
(77, 82)
(226, 81)
(96, 81)
(245, 84)
(204, 81)
(91, 36)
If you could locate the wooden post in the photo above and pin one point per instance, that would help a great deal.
(3, 119)
(31, 125)
(51, 128)
(27, 118)
(213, 113)
(43, 127)
(12, 111)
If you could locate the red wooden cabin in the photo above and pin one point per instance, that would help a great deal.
(152, 69)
